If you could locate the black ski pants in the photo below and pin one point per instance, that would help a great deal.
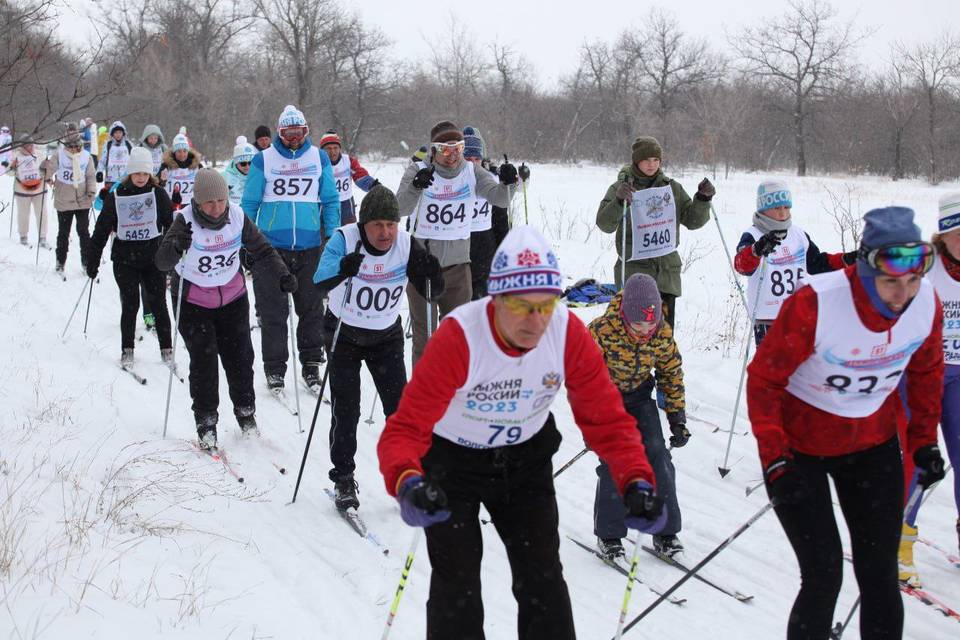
(869, 487)
(129, 279)
(482, 247)
(515, 484)
(385, 363)
(64, 222)
(272, 305)
(223, 332)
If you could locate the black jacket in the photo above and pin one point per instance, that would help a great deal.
(138, 253)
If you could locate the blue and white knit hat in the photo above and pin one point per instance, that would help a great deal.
(524, 263)
(244, 151)
(180, 141)
(772, 194)
(949, 212)
(291, 117)
(472, 143)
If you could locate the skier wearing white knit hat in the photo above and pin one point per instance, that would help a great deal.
(179, 171)
(239, 168)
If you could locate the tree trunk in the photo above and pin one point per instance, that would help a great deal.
(898, 153)
(799, 138)
(931, 122)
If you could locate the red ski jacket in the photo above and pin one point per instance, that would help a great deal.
(783, 423)
(597, 405)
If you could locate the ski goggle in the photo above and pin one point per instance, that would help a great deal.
(448, 148)
(293, 134)
(900, 259)
(522, 307)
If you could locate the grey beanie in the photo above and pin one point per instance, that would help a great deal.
(209, 185)
(889, 225)
(641, 300)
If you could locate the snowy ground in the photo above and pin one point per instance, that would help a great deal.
(108, 530)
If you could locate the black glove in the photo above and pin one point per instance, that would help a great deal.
(5, 164)
(103, 193)
(288, 283)
(680, 435)
(424, 178)
(930, 463)
(99, 176)
(176, 199)
(350, 264)
(785, 483)
(625, 192)
(524, 172)
(508, 173)
(642, 502)
(246, 259)
(850, 257)
(767, 244)
(423, 265)
(494, 169)
(93, 268)
(182, 237)
(706, 190)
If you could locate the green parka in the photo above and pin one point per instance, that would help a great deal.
(692, 213)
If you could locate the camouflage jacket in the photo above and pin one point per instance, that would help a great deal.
(631, 363)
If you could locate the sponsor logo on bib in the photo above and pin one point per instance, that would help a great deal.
(879, 358)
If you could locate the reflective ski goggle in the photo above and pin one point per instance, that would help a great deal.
(293, 133)
(900, 259)
(523, 307)
(448, 148)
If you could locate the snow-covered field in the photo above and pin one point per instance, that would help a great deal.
(108, 530)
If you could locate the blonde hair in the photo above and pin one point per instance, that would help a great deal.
(937, 241)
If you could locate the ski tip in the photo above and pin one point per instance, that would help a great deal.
(723, 472)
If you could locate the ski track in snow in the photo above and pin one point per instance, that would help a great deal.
(106, 528)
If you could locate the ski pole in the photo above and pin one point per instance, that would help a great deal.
(13, 198)
(293, 357)
(629, 590)
(723, 241)
(693, 570)
(571, 461)
(623, 247)
(723, 469)
(526, 214)
(373, 405)
(323, 383)
(43, 205)
(86, 318)
(88, 282)
(929, 492)
(837, 632)
(176, 334)
(403, 583)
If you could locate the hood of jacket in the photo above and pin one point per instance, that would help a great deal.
(193, 160)
(152, 130)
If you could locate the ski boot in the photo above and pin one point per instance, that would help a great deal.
(43, 243)
(667, 546)
(59, 268)
(345, 493)
(247, 421)
(126, 358)
(610, 548)
(149, 321)
(166, 355)
(23, 241)
(207, 432)
(311, 376)
(907, 570)
(275, 383)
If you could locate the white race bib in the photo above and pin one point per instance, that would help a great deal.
(783, 273)
(482, 218)
(212, 260)
(181, 180)
(28, 168)
(156, 153)
(343, 177)
(376, 291)
(949, 291)
(137, 216)
(446, 206)
(117, 159)
(852, 369)
(65, 166)
(505, 400)
(292, 180)
(653, 218)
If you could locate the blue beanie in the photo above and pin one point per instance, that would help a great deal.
(473, 143)
(772, 194)
(889, 225)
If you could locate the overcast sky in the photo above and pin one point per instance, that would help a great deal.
(549, 34)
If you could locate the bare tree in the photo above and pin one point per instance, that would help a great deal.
(901, 99)
(935, 65)
(458, 65)
(804, 54)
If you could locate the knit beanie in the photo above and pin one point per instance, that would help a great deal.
(641, 300)
(379, 204)
(949, 212)
(180, 141)
(209, 185)
(524, 263)
(473, 143)
(244, 151)
(772, 194)
(141, 161)
(291, 117)
(445, 131)
(889, 225)
(646, 147)
(330, 137)
(420, 154)
(261, 132)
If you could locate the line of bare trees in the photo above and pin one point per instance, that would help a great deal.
(785, 93)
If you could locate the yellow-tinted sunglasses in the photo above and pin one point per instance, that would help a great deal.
(521, 307)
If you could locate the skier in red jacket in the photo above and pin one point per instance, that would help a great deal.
(474, 427)
(823, 401)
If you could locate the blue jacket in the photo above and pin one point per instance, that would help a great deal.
(236, 182)
(292, 225)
